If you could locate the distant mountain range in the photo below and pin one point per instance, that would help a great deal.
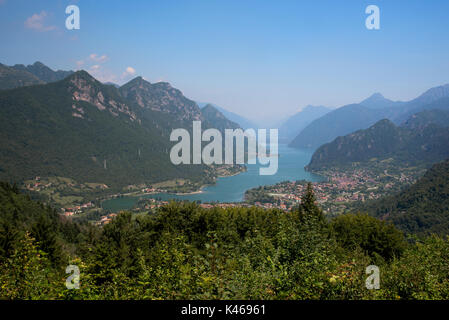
(20, 75)
(424, 138)
(83, 129)
(43, 72)
(378, 101)
(296, 123)
(350, 118)
(336, 123)
(11, 78)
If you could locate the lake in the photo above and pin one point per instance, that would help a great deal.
(232, 189)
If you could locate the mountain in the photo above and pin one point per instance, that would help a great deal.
(11, 78)
(336, 123)
(378, 101)
(82, 129)
(20, 75)
(216, 119)
(109, 83)
(434, 98)
(424, 118)
(354, 117)
(43, 72)
(241, 121)
(433, 94)
(383, 140)
(422, 208)
(161, 97)
(166, 108)
(296, 123)
(415, 106)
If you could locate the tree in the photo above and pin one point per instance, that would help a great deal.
(375, 237)
(308, 206)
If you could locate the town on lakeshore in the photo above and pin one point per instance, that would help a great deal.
(341, 188)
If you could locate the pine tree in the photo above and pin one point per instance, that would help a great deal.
(308, 205)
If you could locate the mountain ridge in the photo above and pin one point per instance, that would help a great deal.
(82, 129)
(297, 122)
(345, 120)
(410, 143)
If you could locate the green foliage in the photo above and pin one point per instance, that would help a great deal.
(421, 273)
(27, 273)
(376, 238)
(42, 72)
(40, 136)
(423, 144)
(421, 208)
(186, 252)
(12, 78)
(216, 119)
(308, 207)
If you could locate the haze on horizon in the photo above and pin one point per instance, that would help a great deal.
(262, 60)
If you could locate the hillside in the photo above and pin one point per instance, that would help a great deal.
(243, 122)
(11, 78)
(423, 119)
(414, 107)
(423, 208)
(216, 119)
(162, 97)
(82, 129)
(42, 72)
(20, 75)
(385, 140)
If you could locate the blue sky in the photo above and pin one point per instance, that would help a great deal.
(262, 59)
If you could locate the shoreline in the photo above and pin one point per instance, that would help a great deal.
(140, 194)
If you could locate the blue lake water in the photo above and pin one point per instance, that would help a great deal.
(232, 189)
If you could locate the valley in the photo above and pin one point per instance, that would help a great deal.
(164, 153)
(128, 169)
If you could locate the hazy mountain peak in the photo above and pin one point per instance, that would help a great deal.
(375, 97)
(137, 82)
(435, 93)
(297, 122)
(312, 107)
(378, 101)
(39, 64)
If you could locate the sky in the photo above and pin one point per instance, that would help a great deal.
(262, 59)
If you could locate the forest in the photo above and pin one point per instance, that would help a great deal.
(183, 251)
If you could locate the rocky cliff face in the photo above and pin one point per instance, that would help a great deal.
(161, 97)
(84, 87)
